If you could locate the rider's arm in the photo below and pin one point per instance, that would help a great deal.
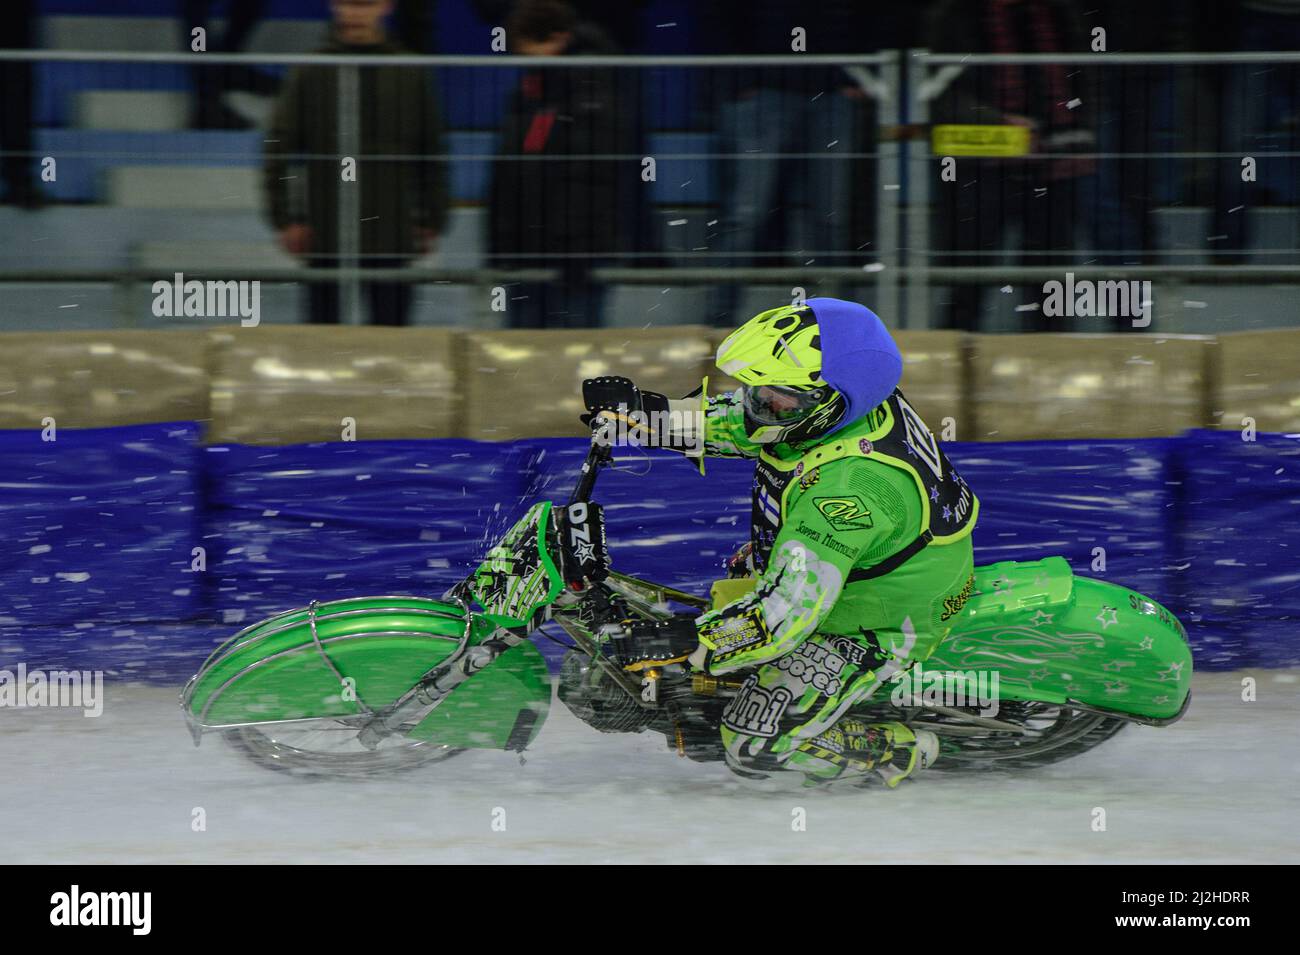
(826, 531)
(695, 426)
(724, 424)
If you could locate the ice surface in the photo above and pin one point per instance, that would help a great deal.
(1222, 785)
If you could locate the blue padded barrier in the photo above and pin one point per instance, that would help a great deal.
(1236, 568)
(97, 529)
(99, 524)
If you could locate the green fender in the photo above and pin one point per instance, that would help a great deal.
(279, 670)
(1053, 637)
(371, 650)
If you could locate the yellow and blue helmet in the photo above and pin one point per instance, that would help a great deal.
(810, 370)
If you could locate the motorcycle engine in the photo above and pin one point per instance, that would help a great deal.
(603, 705)
(596, 700)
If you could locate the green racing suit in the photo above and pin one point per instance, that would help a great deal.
(862, 546)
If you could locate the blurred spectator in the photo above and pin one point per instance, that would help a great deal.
(403, 188)
(552, 205)
(786, 191)
(1146, 111)
(413, 25)
(210, 82)
(17, 165)
(1261, 115)
(1039, 194)
(620, 20)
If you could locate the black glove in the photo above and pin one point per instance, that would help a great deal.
(614, 393)
(647, 644)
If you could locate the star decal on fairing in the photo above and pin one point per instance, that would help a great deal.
(1174, 673)
(1146, 643)
(1107, 616)
(1115, 687)
(1039, 674)
(1160, 699)
(583, 551)
(1040, 617)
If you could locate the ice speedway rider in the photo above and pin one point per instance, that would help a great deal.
(860, 542)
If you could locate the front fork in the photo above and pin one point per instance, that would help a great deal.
(436, 685)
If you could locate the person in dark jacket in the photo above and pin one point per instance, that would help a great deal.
(795, 186)
(552, 204)
(18, 174)
(620, 21)
(1041, 191)
(400, 173)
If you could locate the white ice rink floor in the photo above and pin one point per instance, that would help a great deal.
(1223, 785)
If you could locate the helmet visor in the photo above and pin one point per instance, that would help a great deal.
(779, 405)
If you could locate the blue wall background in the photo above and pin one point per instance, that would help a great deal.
(97, 530)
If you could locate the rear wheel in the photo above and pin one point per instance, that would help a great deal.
(1056, 733)
(330, 748)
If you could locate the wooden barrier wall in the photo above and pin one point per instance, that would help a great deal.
(293, 384)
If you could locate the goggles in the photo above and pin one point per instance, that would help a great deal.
(778, 405)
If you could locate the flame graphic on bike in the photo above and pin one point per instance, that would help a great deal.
(1003, 642)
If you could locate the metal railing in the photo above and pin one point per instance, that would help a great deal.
(901, 267)
(929, 75)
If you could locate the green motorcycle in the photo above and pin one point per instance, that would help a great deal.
(376, 684)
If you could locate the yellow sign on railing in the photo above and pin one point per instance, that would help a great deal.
(954, 140)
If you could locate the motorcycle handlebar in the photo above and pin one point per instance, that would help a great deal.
(600, 454)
